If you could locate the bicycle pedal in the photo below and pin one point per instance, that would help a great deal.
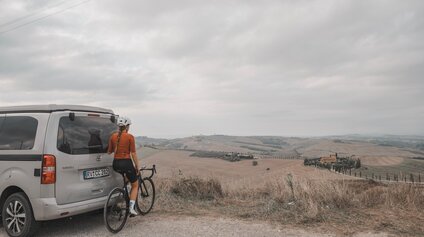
(132, 215)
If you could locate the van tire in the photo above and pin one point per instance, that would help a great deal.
(30, 226)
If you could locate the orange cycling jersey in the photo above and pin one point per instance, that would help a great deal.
(125, 148)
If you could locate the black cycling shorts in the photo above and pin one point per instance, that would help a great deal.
(126, 167)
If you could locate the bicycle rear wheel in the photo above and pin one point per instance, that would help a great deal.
(146, 195)
(116, 210)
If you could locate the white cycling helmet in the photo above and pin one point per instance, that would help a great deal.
(123, 121)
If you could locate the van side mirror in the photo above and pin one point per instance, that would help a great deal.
(113, 118)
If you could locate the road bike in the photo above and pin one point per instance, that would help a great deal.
(117, 206)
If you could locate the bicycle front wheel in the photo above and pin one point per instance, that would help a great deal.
(116, 210)
(146, 195)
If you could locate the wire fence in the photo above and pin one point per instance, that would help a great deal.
(383, 176)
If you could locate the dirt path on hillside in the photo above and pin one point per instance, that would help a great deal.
(161, 225)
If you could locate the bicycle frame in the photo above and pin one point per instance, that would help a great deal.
(140, 179)
(127, 195)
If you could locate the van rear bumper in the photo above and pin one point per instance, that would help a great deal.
(48, 209)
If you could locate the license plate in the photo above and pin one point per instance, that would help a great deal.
(95, 173)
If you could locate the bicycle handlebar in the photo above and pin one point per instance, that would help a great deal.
(153, 169)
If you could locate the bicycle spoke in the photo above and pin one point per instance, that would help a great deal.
(146, 196)
(116, 210)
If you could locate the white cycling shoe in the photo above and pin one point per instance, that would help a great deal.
(133, 213)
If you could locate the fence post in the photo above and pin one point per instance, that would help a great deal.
(360, 174)
(355, 174)
(419, 178)
(372, 175)
(350, 172)
(411, 177)
(379, 177)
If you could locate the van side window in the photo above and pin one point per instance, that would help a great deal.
(17, 132)
(84, 135)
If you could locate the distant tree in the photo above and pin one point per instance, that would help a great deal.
(420, 146)
(358, 164)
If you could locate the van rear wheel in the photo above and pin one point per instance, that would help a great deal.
(17, 216)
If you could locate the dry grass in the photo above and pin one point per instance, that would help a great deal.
(196, 188)
(341, 207)
(311, 198)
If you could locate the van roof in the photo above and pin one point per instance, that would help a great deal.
(52, 108)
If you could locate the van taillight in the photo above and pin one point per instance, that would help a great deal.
(49, 170)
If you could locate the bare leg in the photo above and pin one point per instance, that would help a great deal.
(134, 190)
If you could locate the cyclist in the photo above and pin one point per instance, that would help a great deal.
(122, 144)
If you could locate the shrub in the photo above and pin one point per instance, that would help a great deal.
(196, 188)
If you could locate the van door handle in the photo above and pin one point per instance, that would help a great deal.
(95, 191)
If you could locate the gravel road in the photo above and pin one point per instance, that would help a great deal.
(160, 225)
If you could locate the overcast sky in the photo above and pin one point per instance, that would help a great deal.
(181, 68)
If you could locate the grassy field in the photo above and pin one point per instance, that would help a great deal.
(288, 194)
(404, 168)
(289, 146)
(171, 164)
(337, 207)
(146, 152)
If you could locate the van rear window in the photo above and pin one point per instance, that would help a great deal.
(84, 135)
(17, 132)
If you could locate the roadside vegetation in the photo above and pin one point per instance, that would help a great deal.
(337, 206)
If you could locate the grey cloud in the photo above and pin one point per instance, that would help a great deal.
(240, 67)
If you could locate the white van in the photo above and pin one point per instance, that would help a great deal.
(53, 163)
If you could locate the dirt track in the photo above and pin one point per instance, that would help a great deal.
(161, 225)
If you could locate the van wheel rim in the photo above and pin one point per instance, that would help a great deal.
(15, 217)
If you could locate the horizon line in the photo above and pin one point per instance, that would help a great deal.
(287, 136)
